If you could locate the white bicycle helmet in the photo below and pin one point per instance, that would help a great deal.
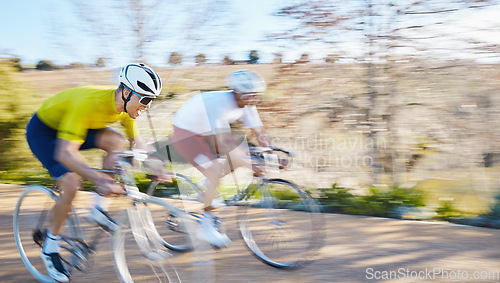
(246, 81)
(141, 79)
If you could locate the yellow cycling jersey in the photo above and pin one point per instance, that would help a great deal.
(74, 111)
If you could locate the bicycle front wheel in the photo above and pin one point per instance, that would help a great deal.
(138, 248)
(281, 224)
(31, 221)
(185, 196)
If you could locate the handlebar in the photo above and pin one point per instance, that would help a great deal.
(265, 157)
(260, 150)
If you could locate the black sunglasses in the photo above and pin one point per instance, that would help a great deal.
(143, 100)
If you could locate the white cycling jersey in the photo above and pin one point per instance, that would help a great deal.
(211, 113)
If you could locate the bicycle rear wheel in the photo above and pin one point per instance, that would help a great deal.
(31, 221)
(281, 224)
(186, 196)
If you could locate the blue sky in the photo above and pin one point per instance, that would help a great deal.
(47, 29)
(23, 31)
(33, 30)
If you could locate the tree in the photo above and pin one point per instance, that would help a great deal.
(253, 56)
(200, 59)
(100, 63)
(76, 65)
(137, 22)
(16, 63)
(175, 58)
(45, 65)
(278, 58)
(331, 58)
(227, 61)
(141, 24)
(383, 30)
(304, 59)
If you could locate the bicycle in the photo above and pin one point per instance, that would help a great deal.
(279, 222)
(146, 261)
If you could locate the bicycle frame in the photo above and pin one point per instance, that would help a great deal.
(79, 248)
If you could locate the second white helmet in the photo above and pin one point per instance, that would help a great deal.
(141, 78)
(246, 81)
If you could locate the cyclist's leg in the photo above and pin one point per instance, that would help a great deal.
(68, 184)
(196, 150)
(42, 141)
(213, 173)
(108, 140)
(237, 154)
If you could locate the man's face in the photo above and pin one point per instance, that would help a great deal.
(138, 103)
(251, 98)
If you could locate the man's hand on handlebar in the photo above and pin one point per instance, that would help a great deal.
(157, 171)
(107, 186)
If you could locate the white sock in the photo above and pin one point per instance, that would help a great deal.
(102, 202)
(51, 243)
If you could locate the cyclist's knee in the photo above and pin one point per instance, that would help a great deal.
(214, 172)
(69, 183)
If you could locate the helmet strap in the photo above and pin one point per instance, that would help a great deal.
(125, 100)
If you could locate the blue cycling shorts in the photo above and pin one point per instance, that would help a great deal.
(42, 140)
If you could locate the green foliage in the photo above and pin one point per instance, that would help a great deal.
(336, 199)
(15, 61)
(40, 176)
(447, 211)
(495, 210)
(381, 201)
(13, 115)
(27, 176)
(254, 57)
(286, 194)
(378, 202)
(45, 65)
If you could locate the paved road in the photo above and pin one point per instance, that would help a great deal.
(357, 249)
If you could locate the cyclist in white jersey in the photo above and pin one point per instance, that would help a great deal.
(202, 130)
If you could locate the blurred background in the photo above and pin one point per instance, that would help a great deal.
(391, 107)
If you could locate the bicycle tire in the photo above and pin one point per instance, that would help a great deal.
(134, 262)
(187, 196)
(281, 224)
(29, 230)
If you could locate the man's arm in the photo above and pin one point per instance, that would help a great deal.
(67, 153)
(262, 139)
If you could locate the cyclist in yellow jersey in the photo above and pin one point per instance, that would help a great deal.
(69, 110)
(78, 119)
